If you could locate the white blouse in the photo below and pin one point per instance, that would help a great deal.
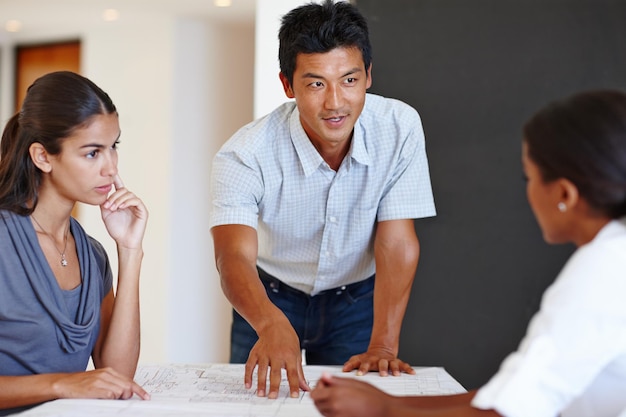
(572, 361)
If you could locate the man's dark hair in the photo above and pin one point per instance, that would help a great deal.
(320, 28)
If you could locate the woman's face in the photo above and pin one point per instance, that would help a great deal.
(87, 164)
(544, 198)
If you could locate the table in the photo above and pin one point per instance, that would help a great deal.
(217, 390)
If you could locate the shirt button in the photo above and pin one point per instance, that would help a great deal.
(333, 219)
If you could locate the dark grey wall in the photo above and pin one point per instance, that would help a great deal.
(475, 71)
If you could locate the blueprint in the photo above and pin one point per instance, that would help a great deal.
(218, 390)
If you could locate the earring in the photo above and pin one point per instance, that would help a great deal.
(562, 207)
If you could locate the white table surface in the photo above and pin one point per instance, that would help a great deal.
(217, 390)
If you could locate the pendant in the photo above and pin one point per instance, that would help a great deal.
(63, 260)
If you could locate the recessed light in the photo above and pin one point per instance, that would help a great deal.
(222, 3)
(110, 15)
(13, 26)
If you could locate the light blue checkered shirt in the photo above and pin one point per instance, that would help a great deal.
(316, 226)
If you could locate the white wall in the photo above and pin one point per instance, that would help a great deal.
(199, 315)
(139, 79)
(268, 91)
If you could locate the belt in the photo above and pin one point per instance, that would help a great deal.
(275, 284)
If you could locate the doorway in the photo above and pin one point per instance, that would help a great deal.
(33, 61)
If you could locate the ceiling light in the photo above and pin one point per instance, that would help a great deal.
(222, 3)
(13, 26)
(110, 15)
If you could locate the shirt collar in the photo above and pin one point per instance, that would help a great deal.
(358, 150)
(308, 155)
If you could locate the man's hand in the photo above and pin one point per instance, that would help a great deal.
(377, 359)
(278, 348)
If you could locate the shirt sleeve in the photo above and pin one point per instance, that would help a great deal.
(236, 189)
(578, 331)
(409, 193)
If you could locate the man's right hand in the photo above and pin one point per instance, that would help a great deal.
(278, 348)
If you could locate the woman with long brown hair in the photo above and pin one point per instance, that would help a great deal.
(58, 308)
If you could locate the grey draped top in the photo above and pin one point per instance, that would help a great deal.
(45, 329)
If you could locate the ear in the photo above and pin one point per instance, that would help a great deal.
(39, 156)
(569, 194)
(369, 76)
(286, 85)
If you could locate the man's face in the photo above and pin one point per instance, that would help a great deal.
(329, 89)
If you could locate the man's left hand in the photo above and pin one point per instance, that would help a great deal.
(377, 359)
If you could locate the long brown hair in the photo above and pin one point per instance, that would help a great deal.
(55, 105)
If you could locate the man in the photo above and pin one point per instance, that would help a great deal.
(313, 207)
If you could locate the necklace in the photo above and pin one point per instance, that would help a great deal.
(63, 260)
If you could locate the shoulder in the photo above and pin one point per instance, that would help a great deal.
(11, 222)
(97, 249)
(388, 110)
(395, 121)
(594, 274)
(256, 134)
(5, 214)
(606, 253)
(392, 119)
(5, 229)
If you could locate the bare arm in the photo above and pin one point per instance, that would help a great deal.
(125, 218)
(106, 383)
(278, 347)
(341, 397)
(118, 343)
(396, 250)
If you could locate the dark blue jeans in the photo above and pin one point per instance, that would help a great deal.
(332, 325)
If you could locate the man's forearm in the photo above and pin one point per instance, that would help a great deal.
(389, 309)
(396, 251)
